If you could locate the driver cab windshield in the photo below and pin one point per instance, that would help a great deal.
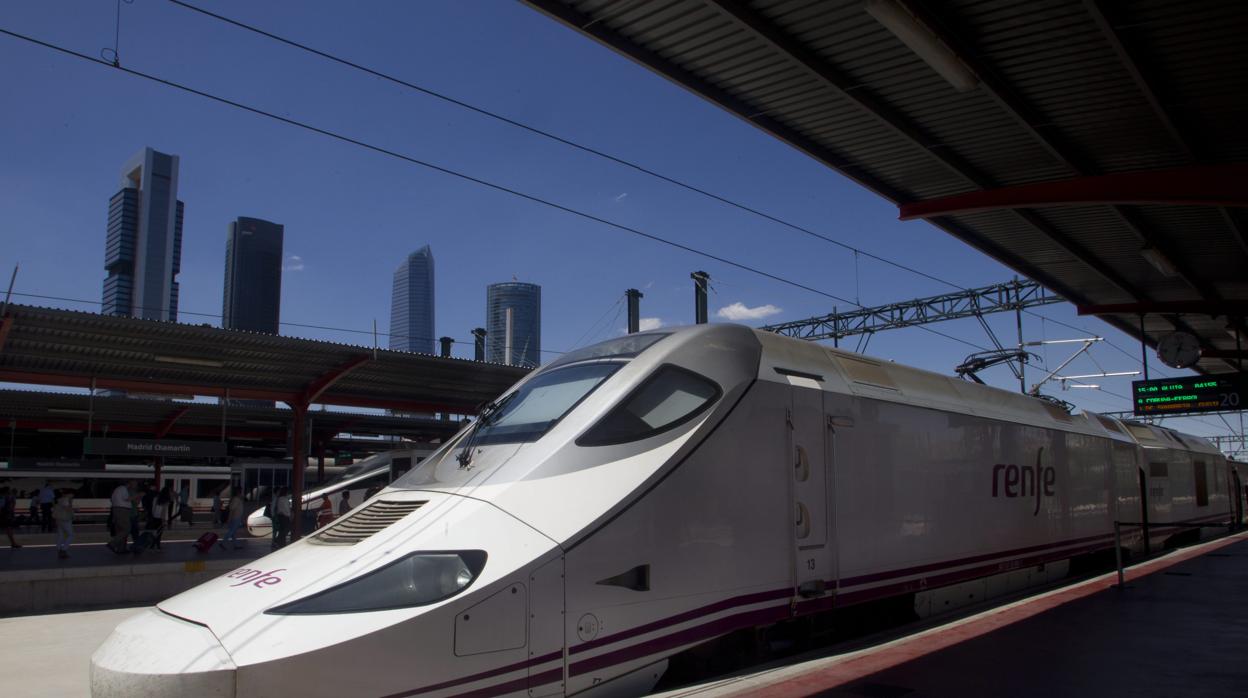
(533, 409)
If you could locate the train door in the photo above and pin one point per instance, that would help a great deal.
(546, 632)
(809, 442)
(1237, 493)
(1144, 509)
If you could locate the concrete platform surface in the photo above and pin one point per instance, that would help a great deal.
(50, 655)
(37, 560)
(34, 580)
(1179, 628)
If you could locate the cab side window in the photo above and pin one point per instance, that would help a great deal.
(669, 398)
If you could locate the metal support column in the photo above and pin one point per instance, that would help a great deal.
(1018, 323)
(298, 463)
(1143, 348)
(700, 279)
(478, 343)
(634, 310)
(446, 346)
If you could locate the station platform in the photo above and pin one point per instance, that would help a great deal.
(1178, 628)
(34, 580)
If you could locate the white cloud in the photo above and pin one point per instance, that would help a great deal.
(739, 311)
(293, 263)
(649, 323)
(621, 196)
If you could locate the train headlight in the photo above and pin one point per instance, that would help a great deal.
(417, 579)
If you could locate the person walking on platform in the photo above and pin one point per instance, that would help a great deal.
(281, 518)
(185, 513)
(234, 512)
(120, 505)
(325, 514)
(164, 506)
(345, 505)
(47, 496)
(63, 515)
(8, 513)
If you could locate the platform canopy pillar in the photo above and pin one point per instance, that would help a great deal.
(298, 463)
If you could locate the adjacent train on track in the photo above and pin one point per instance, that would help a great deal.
(637, 498)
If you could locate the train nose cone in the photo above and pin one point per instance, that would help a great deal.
(156, 654)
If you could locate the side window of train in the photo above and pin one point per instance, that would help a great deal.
(667, 399)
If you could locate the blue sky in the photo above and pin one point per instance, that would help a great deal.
(351, 215)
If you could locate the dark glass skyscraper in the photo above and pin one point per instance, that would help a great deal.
(253, 276)
(522, 346)
(411, 304)
(143, 252)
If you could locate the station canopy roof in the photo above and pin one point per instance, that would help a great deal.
(262, 427)
(69, 348)
(1100, 148)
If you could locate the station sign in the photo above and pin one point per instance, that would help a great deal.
(154, 447)
(1211, 393)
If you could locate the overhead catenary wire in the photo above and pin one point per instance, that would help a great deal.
(449, 172)
(557, 138)
(594, 326)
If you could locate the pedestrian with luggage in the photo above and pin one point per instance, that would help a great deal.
(185, 512)
(234, 512)
(281, 518)
(47, 496)
(63, 515)
(325, 514)
(8, 513)
(121, 504)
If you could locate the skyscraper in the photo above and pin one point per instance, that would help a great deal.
(513, 322)
(143, 252)
(253, 276)
(411, 304)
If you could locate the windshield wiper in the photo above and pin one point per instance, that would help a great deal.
(486, 414)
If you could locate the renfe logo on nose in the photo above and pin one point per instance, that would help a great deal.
(257, 578)
(1024, 481)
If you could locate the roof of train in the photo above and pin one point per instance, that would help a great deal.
(807, 363)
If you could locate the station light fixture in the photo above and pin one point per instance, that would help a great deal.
(187, 361)
(67, 410)
(1159, 261)
(925, 44)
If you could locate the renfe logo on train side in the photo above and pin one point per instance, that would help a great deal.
(257, 578)
(1024, 481)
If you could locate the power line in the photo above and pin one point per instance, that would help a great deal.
(556, 138)
(447, 171)
(602, 317)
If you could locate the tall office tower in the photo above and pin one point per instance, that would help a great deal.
(143, 253)
(411, 304)
(253, 276)
(513, 321)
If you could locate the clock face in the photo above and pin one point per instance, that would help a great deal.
(1178, 350)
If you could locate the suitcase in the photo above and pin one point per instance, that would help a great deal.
(205, 542)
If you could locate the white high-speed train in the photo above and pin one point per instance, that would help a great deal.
(639, 497)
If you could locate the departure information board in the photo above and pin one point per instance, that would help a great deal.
(1212, 393)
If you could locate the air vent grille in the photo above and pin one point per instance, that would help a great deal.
(364, 522)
